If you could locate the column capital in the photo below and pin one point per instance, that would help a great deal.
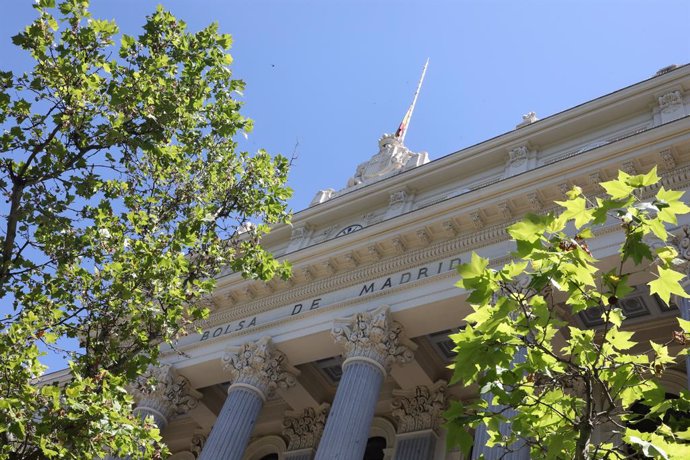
(162, 391)
(420, 408)
(259, 365)
(373, 336)
(304, 429)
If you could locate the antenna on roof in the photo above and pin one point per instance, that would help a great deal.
(405, 123)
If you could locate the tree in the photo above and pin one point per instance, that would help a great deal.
(555, 383)
(124, 194)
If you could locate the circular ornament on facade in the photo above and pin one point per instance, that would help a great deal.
(349, 229)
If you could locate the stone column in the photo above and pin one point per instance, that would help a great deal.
(303, 431)
(163, 394)
(256, 370)
(418, 413)
(372, 342)
(518, 450)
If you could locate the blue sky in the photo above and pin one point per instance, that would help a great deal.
(333, 76)
(327, 78)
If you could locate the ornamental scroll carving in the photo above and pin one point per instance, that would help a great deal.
(670, 99)
(303, 429)
(259, 364)
(373, 335)
(518, 156)
(164, 390)
(419, 409)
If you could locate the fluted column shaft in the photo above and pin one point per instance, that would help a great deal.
(233, 428)
(372, 342)
(256, 370)
(347, 427)
(303, 454)
(419, 445)
(684, 307)
(519, 450)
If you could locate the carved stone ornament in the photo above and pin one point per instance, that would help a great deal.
(303, 430)
(197, 444)
(518, 156)
(260, 365)
(419, 409)
(397, 198)
(392, 157)
(527, 119)
(681, 243)
(670, 99)
(534, 201)
(165, 391)
(668, 160)
(373, 335)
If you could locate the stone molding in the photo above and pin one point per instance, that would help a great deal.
(419, 409)
(259, 365)
(303, 430)
(482, 237)
(164, 391)
(373, 335)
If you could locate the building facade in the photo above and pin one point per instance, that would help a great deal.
(348, 359)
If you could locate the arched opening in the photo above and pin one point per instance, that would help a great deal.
(270, 457)
(375, 448)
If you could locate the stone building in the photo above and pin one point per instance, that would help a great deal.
(348, 358)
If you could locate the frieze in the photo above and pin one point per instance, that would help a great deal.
(401, 262)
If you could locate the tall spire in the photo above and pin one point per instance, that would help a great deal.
(405, 123)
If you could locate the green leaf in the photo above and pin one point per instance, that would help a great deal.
(531, 228)
(666, 284)
(617, 188)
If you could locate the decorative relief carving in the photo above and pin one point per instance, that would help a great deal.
(518, 156)
(564, 188)
(374, 252)
(372, 335)
(450, 227)
(398, 245)
(259, 364)
(398, 198)
(629, 167)
(351, 259)
(304, 429)
(299, 233)
(419, 409)
(477, 220)
(164, 390)
(424, 236)
(595, 178)
(504, 208)
(681, 243)
(197, 444)
(670, 99)
(392, 157)
(328, 267)
(667, 159)
(535, 201)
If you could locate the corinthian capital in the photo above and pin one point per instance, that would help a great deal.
(303, 429)
(163, 391)
(419, 409)
(259, 365)
(373, 335)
